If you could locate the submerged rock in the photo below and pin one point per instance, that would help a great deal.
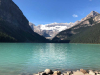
(23, 73)
(29, 74)
(36, 74)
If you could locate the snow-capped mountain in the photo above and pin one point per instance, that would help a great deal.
(51, 30)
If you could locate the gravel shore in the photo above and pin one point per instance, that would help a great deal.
(76, 72)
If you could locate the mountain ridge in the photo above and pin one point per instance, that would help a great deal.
(49, 31)
(81, 32)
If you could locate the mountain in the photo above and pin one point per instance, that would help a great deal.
(86, 31)
(51, 30)
(14, 27)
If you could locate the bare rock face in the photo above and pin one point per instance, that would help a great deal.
(85, 22)
(49, 34)
(91, 15)
(97, 19)
(31, 25)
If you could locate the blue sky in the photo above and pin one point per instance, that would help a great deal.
(60, 11)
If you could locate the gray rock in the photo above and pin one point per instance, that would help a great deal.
(62, 74)
(78, 73)
(48, 71)
(87, 74)
(69, 72)
(56, 73)
(42, 73)
(96, 72)
(91, 72)
(65, 74)
(83, 71)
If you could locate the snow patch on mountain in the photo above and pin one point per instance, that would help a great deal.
(56, 26)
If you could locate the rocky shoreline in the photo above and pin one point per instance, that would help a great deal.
(76, 72)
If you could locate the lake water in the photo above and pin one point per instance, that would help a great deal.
(35, 57)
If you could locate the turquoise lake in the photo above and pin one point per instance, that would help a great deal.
(16, 58)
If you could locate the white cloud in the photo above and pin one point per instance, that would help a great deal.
(90, 0)
(74, 15)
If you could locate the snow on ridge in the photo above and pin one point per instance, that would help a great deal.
(56, 26)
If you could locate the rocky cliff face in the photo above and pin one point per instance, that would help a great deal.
(14, 24)
(97, 19)
(92, 14)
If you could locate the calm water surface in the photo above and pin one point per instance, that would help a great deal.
(34, 57)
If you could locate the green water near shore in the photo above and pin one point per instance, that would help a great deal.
(16, 58)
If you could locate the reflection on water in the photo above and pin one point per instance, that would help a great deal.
(31, 58)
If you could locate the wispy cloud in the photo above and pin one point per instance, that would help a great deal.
(90, 0)
(74, 15)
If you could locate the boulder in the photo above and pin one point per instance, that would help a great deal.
(56, 73)
(65, 74)
(96, 72)
(42, 73)
(83, 71)
(48, 71)
(78, 73)
(62, 74)
(69, 72)
(87, 74)
(91, 72)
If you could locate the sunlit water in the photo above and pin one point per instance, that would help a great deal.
(35, 57)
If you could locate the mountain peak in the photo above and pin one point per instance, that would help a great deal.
(93, 14)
